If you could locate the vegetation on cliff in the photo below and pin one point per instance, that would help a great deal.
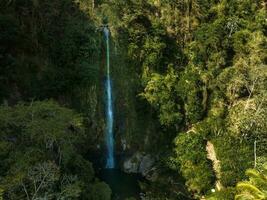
(188, 76)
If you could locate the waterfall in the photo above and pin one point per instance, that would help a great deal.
(110, 163)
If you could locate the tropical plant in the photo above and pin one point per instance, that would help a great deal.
(255, 187)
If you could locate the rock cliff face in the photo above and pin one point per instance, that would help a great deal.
(211, 154)
(140, 163)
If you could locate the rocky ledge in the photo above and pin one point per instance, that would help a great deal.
(141, 163)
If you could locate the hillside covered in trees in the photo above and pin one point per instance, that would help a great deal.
(189, 86)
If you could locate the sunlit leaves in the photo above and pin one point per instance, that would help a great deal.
(190, 154)
(161, 93)
(255, 188)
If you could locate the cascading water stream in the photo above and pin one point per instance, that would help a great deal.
(110, 162)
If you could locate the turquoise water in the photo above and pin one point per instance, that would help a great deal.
(123, 185)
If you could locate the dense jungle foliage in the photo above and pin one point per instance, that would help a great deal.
(190, 84)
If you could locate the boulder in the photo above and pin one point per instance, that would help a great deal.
(146, 164)
(140, 163)
(131, 165)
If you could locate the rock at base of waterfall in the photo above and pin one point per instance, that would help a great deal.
(140, 163)
(131, 165)
(146, 164)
